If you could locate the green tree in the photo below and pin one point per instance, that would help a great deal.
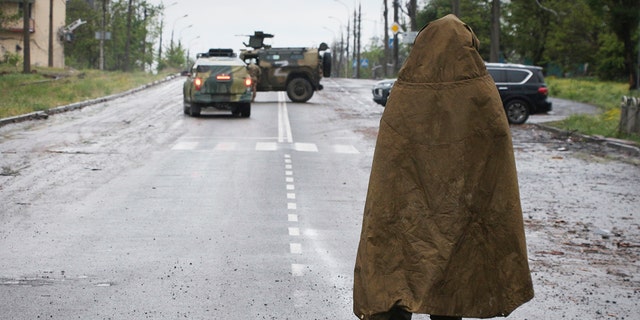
(83, 49)
(622, 17)
(174, 57)
(139, 34)
(573, 38)
(475, 13)
(527, 27)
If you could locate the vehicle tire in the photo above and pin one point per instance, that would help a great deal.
(517, 111)
(194, 110)
(245, 110)
(185, 107)
(299, 90)
(326, 64)
(242, 110)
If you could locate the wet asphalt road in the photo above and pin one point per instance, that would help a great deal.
(130, 210)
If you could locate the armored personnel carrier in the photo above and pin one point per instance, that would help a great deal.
(297, 70)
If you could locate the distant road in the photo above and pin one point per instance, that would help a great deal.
(561, 109)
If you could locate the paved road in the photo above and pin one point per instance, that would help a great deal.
(130, 210)
(561, 109)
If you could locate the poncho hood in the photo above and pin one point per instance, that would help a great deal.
(442, 229)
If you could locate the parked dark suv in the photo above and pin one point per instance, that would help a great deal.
(522, 90)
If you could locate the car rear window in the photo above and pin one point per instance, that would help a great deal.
(498, 75)
(539, 77)
(517, 76)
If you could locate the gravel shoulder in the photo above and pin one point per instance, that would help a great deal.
(580, 201)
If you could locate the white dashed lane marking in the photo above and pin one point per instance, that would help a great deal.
(295, 247)
(185, 145)
(230, 146)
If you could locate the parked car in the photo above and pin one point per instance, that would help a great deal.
(218, 79)
(381, 91)
(522, 90)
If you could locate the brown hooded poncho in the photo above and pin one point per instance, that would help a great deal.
(442, 231)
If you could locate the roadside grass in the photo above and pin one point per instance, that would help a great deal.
(607, 96)
(48, 88)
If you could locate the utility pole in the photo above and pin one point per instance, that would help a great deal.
(127, 49)
(50, 33)
(355, 41)
(346, 64)
(396, 63)
(358, 48)
(385, 60)
(144, 40)
(26, 63)
(103, 33)
(412, 10)
(494, 54)
(455, 7)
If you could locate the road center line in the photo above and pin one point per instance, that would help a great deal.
(284, 126)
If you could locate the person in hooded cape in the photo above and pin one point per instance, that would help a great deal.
(442, 231)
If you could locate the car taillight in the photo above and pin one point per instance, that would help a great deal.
(543, 91)
(247, 82)
(223, 77)
(197, 82)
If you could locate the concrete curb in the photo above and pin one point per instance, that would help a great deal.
(39, 115)
(626, 146)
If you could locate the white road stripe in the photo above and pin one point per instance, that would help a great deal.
(266, 146)
(291, 195)
(297, 270)
(284, 126)
(345, 148)
(185, 145)
(305, 147)
(292, 206)
(292, 217)
(294, 232)
(295, 248)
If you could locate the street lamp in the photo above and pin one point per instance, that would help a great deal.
(182, 30)
(189, 51)
(174, 27)
(341, 52)
(346, 65)
(162, 7)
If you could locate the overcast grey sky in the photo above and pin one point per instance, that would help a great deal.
(294, 23)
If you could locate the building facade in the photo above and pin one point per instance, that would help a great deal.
(46, 23)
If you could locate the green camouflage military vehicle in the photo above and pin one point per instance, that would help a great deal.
(218, 79)
(295, 70)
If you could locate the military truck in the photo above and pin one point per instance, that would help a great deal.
(295, 70)
(218, 79)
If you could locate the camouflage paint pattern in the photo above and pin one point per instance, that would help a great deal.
(214, 91)
(280, 64)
